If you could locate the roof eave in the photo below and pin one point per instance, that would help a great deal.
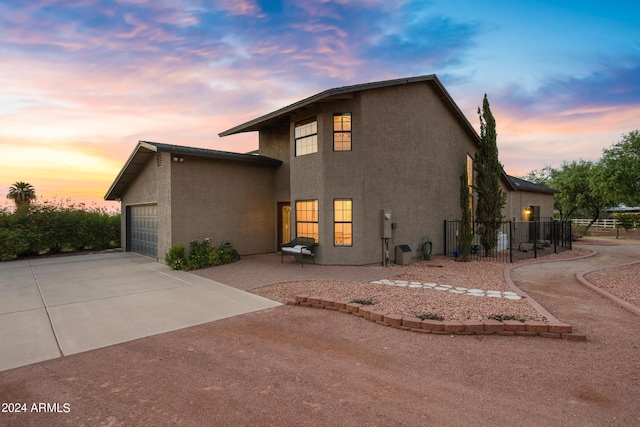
(281, 114)
(110, 193)
(132, 166)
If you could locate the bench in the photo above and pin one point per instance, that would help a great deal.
(299, 247)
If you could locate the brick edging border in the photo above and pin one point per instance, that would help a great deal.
(530, 328)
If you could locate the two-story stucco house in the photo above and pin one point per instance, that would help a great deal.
(360, 169)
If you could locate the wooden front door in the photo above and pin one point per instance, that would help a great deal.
(284, 223)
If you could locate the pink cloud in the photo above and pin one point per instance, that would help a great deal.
(239, 7)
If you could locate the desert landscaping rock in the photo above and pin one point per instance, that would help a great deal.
(292, 366)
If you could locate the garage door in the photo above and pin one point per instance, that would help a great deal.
(142, 227)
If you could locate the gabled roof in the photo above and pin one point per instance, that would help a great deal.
(146, 150)
(522, 185)
(283, 114)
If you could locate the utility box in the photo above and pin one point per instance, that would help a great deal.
(403, 255)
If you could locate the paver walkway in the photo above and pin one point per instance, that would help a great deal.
(260, 270)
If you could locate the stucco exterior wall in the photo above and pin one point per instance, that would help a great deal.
(151, 187)
(165, 215)
(518, 201)
(275, 143)
(407, 154)
(223, 200)
(416, 150)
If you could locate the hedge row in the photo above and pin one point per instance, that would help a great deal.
(48, 228)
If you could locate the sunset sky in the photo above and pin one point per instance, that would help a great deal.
(82, 81)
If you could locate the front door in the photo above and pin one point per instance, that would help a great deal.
(284, 223)
(534, 218)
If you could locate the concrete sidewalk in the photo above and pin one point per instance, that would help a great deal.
(58, 306)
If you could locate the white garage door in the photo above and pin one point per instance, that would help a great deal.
(143, 230)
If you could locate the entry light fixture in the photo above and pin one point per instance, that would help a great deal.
(178, 159)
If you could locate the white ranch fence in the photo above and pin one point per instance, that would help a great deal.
(603, 223)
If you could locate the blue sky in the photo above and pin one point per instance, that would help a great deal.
(82, 81)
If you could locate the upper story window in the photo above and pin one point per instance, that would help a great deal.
(306, 136)
(342, 132)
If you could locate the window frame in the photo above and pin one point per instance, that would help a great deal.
(315, 216)
(342, 130)
(301, 124)
(342, 221)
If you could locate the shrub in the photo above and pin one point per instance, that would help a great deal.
(363, 301)
(580, 231)
(201, 255)
(503, 317)
(54, 227)
(429, 316)
(628, 221)
(176, 258)
(228, 254)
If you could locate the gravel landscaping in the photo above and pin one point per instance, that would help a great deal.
(623, 282)
(292, 366)
(408, 301)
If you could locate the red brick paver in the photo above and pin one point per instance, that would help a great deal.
(254, 271)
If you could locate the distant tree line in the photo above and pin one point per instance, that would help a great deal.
(587, 188)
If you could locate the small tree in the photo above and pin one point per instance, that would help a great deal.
(22, 194)
(626, 221)
(620, 172)
(488, 169)
(465, 232)
(581, 189)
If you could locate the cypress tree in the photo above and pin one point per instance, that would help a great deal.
(465, 237)
(488, 169)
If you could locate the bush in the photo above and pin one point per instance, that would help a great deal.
(54, 227)
(580, 231)
(363, 301)
(176, 258)
(429, 316)
(201, 255)
(503, 317)
(628, 221)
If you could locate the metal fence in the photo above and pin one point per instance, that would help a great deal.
(516, 240)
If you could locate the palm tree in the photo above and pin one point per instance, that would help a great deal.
(22, 194)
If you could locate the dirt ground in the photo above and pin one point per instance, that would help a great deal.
(621, 234)
(294, 366)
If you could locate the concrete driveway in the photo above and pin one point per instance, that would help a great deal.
(54, 307)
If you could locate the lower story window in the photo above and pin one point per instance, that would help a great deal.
(307, 219)
(343, 222)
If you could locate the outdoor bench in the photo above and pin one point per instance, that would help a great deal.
(299, 247)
